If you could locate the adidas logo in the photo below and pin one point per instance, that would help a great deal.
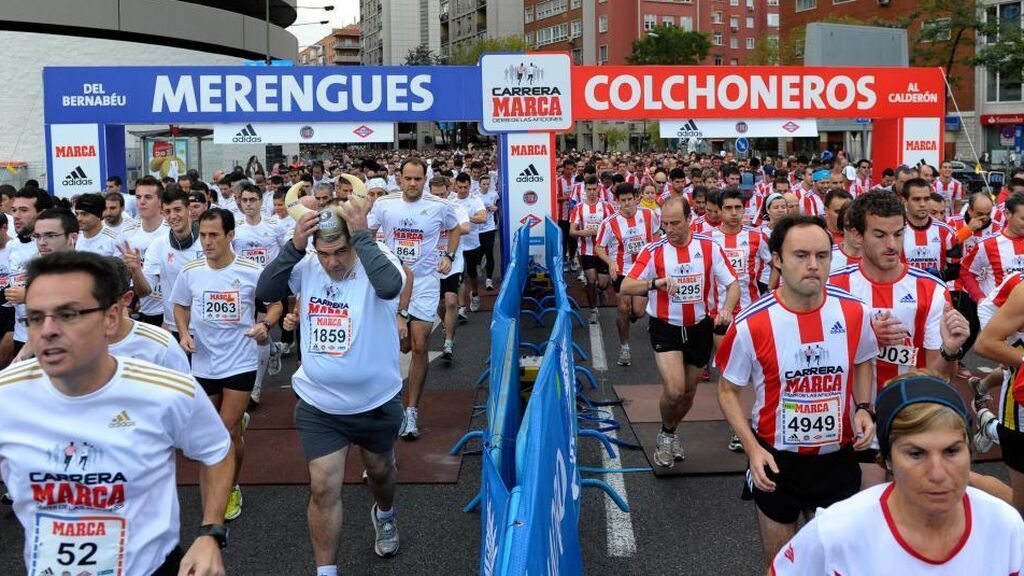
(837, 328)
(908, 299)
(77, 177)
(690, 130)
(122, 420)
(247, 134)
(531, 174)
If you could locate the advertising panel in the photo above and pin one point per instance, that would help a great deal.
(530, 182)
(721, 128)
(526, 92)
(303, 132)
(75, 159)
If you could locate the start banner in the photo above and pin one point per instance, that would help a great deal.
(631, 92)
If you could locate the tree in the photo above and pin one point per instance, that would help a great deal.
(654, 139)
(422, 55)
(670, 45)
(469, 54)
(766, 52)
(946, 36)
(613, 137)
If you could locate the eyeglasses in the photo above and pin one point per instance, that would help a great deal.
(63, 317)
(47, 236)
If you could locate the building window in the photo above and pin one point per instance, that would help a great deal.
(734, 2)
(734, 22)
(841, 1)
(750, 22)
(528, 14)
(552, 34)
(577, 56)
(602, 23)
(802, 5)
(650, 21)
(550, 8)
(668, 21)
(750, 4)
(529, 38)
(750, 43)
(716, 17)
(734, 62)
(773, 20)
(734, 42)
(686, 23)
(602, 54)
(718, 59)
(577, 29)
(717, 39)
(574, 4)
(773, 2)
(937, 30)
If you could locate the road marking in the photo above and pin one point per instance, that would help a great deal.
(621, 537)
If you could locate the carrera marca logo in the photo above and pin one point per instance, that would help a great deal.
(86, 151)
(919, 145)
(529, 149)
(522, 98)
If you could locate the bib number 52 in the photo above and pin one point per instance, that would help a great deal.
(71, 554)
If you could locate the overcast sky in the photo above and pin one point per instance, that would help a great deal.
(345, 12)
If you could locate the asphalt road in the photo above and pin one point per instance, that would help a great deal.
(682, 525)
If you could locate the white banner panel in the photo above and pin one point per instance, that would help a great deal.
(530, 177)
(303, 132)
(526, 92)
(921, 140)
(75, 159)
(720, 128)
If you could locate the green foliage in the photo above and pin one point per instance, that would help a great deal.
(421, 55)
(469, 54)
(614, 136)
(670, 45)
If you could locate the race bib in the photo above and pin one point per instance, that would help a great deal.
(690, 289)
(408, 251)
(222, 306)
(4, 281)
(257, 255)
(330, 334)
(900, 354)
(811, 421)
(592, 224)
(737, 259)
(78, 545)
(634, 244)
(17, 279)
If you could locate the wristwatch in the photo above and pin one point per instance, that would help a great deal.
(951, 357)
(266, 324)
(404, 314)
(450, 255)
(866, 406)
(218, 532)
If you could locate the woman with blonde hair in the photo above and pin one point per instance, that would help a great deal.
(927, 520)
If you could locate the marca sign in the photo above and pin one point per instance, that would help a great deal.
(75, 159)
(528, 163)
(526, 92)
(921, 141)
(627, 92)
(718, 128)
(303, 132)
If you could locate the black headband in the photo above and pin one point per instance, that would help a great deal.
(898, 395)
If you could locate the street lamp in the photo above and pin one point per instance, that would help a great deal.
(266, 18)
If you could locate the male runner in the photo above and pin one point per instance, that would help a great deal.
(812, 200)
(141, 341)
(120, 515)
(744, 247)
(26, 205)
(215, 311)
(835, 200)
(862, 183)
(349, 383)
(115, 185)
(620, 238)
(136, 239)
(93, 236)
(451, 315)
(998, 255)
(678, 274)
(412, 223)
(469, 242)
(928, 244)
(566, 182)
(950, 188)
(114, 217)
(584, 224)
(806, 349)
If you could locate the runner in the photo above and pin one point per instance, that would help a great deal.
(412, 223)
(745, 248)
(215, 310)
(678, 274)
(835, 200)
(862, 183)
(806, 348)
(566, 183)
(969, 230)
(349, 383)
(927, 520)
(985, 268)
(451, 314)
(812, 200)
(928, 243)
(138, 340)
(469, 242)
(93, 236)
(119, 515)
(584, 224)
(950, 188)
(114, 217)
(489, 229)
(27, 204)
(619, 239)
(114, 186)
(134, 242)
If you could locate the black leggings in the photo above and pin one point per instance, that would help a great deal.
(568, 242)
(486, 250)
(963, 304)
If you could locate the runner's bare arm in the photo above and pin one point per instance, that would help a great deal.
(204, 556)
(273, 283)
(864, 426)
(729, 401)
(1008, 319)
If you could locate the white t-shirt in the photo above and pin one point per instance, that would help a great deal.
(103, 243)
(471, 204)
(93, 476)
(857, 536)
(411, 229)
(489, 199)
(152, 344)
(161, 266)
(223, 305)
(127, 223)
(137, 238)
(349, 340)
(21, 254)
(260, 243)
(442, 244)
(131, 207)
(5, 264)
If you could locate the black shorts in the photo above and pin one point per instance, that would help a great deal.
(152, 320)
(805, 482)
(171, 564)
(6, 319)
(617, 283)
(1012, 444)
(321, 433)
(696, 347)
(243, 382)
(594, 263)
(450, 285)
(472, 260)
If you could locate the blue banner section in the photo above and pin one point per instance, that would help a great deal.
(495, 501)
(181, 95)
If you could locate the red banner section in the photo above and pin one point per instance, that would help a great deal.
(633, 92)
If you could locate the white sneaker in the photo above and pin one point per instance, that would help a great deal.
(474, 303)
(463, 318)
(664, 455)
(594, 316)
(410, 426)
(982, 441)
(625, 358)
(582, 277)
(385, 542)
(489, 284)
(254, 396)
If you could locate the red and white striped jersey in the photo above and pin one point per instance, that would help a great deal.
(764, 188)
(859, 186)
(811, 204)
(926, 248)
(970, 244)
(991, 304)
(565, 187)
(633, 178)
(841, 259)
(952, 190)
(917, 300)
(623, 238)
(579, 193)
(747, 251)
(752, 209)
(695, 267)
(589, 217)
(801, 365)
(995, 257)
(700, 225)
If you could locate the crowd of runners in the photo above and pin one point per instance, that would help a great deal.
(137, 322)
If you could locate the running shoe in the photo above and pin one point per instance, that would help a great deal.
(982, 441)
(245, 422)
(463, 317)
(594, 316)
(581, 277)
(706, 375)
(980, 393)
(624, 357)
(274, 364)
(234, 509)
(677, 449)
(385, 543)
(6, 499)
(575, 265)
(963, 371)
(448, 352)
(489, 285)
(410, 426)
(287, 349)
(254, 396)
(664, 454)
(474, 303)
(734, 444)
